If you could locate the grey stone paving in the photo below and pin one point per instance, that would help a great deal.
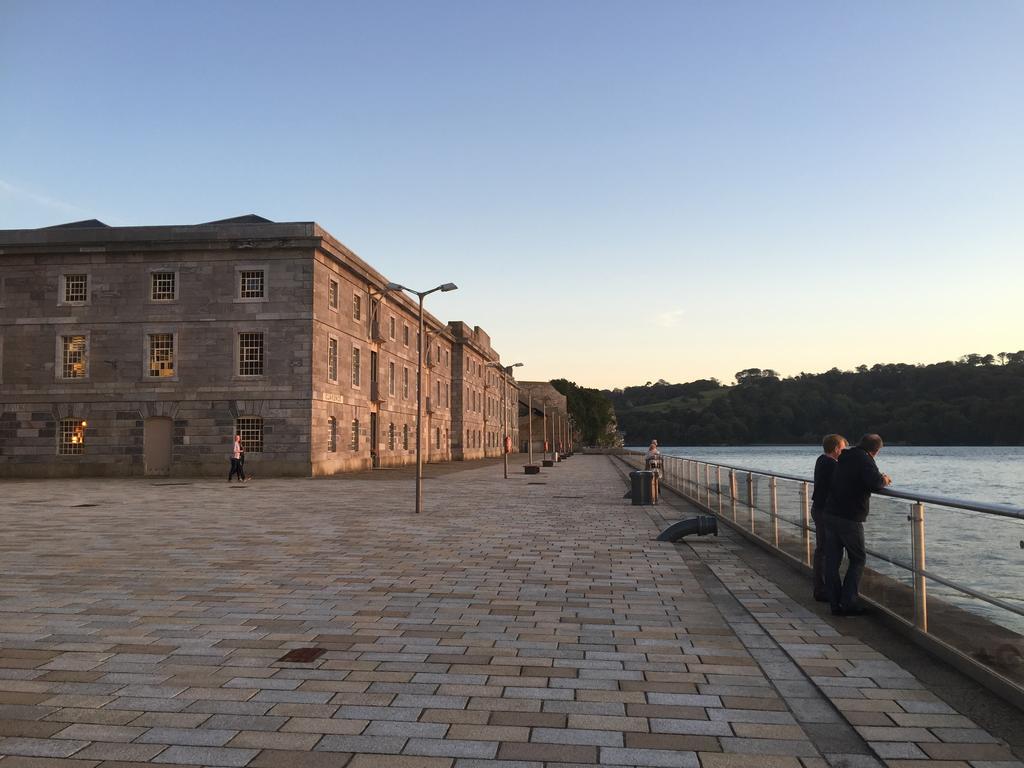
(522, 623)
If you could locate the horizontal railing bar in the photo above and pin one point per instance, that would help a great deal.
(974, 593)
(1002, 510)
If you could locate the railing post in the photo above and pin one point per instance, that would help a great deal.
(805, 504)
(732, 493)
(707, 485)
(750, 499)
(920, 584)
(718, 486)
(773, 499)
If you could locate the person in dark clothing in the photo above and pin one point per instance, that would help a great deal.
(856, 476)
(824, 467)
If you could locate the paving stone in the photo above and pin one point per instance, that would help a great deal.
(649, 757)
(15, 745)
(209, 756)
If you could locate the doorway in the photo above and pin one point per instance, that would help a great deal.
(156, 445)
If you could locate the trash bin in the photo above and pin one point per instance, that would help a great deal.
(642, 488)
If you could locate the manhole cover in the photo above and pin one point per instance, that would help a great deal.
(303, 655)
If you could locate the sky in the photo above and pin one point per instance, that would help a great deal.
(623, 191)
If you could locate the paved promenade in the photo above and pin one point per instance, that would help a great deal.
(515, 624)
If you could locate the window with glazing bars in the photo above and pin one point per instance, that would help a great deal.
(332, 359)
(76, 288)
(332, 435)
(252, 284)
(250, 354)
(251, 430)
(391, 437)
(405, 437)
(357, 307)
(332, 294)
(72, 437)
(355, 434)
(75, 357)
(161, 354)
(163, 286)
(356, 367)
(437, 436)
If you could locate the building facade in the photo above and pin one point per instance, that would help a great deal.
(142, 350)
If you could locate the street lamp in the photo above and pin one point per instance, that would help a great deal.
(445, 287)
(507, 370)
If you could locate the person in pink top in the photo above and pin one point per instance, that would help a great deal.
(237, 452)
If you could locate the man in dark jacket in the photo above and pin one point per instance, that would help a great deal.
(856, 476)
(824, 467)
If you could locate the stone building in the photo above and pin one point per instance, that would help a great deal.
(544, 415)
(478, 378)
(141, 350)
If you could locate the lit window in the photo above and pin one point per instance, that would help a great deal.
(391, 437)
(332, 435)
(332, 359)
(357, 307)
(163, 286)
(356, 367)
(72, 437)
(391, 379)
(405, 437)
(161, 354)
(76, 289)
(75, 357)
(355, 434)
(251, 430)
(251, 284)
(332, 294)
(250, 354)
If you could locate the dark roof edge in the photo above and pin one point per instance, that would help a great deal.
(156, 234)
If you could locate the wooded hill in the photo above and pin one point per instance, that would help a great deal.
(977, 400)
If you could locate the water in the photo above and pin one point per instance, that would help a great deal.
(980, 551)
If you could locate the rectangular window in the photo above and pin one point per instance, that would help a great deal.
(332, 294)
(391, 379)
(447, 394)
(405, 437)
(163, 286)
(355, 434)
(75, 360)
(447, 361)
(391, 328)
(161, 354)
(391, 437)
(332, 435)
(438, 399)
(250, 354)
(405, 335)
(437, 437)
(251, 430)
(405, 383)
(357, 307)
(72, 437)
(251, 284)
(357, 373)
(332, 359)
(76, 289)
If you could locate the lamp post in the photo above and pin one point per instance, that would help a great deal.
(529, 422)
(544, 427)
(445, 287)
(506, 371)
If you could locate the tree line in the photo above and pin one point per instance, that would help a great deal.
(976, 400)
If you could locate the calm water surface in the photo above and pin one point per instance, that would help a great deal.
(980, 551)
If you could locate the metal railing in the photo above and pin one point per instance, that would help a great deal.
(962, 622)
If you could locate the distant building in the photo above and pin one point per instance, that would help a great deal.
(544, 415)
(142, 350)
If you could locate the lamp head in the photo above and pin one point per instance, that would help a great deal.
(394, 287)
(449, 287)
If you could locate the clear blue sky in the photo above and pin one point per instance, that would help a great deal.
(624, 191)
